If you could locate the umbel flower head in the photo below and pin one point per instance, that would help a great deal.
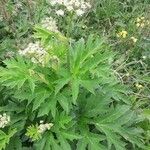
(79, 7)
(35, 52)
(43, 127)
(60, 12)
(50, 24)
(4, 120)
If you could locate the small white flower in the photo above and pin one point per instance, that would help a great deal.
(60, 2)
(88, 5)
(78, 6)
(53, 2)
(83, 6)
(35, 52)
(35, 61)
(60, 12)
(50, 24)
(79, 12)
(144, 57)
(4, 120)
(77, 3)
(127, 74)
(41, 121)
(69, 8)
(43, 127)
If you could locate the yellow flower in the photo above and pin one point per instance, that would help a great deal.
(122, 34)
(142, 18)
(139, 86)
(138, 24)
(148, 22)
(118, 34)
(134, 39)
(142, 25)
(138, 19)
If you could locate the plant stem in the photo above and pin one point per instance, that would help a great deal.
(30, 9)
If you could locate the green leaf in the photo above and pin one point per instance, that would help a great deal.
(24, 94)
(45, 35)
(5, 138)
(41, 95)
(95, 145)
(75, 90)
(33, 132)
(60, 84)
(62, 120)
(12, 106)
(55, 145)
(31, 84)
(92, 141)
(15, 143)
(71, 136)
(47, 142)
(97, 104)
(95, 61)
(64, 143)
(112, 138)
(114, 114)
(49, 105)
(90, 85)
(82, 144)
(17, 72)
(63, 102)
(113, 125)
(146, 113)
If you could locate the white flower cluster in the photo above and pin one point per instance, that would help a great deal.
(35, 52)
(50, 24)
(4, 120)
(43, 127)
(77, 6)
(60, 12)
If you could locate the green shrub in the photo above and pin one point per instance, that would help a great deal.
(76, 94)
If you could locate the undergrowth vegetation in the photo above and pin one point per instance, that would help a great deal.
(74, 75)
